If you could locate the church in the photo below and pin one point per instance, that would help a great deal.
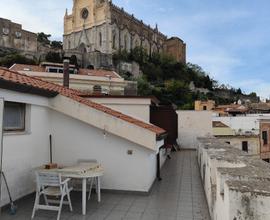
(96, 29)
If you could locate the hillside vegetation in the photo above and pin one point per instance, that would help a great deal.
(162, 76)
(170, 81)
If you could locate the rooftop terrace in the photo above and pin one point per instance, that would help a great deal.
(179, 195)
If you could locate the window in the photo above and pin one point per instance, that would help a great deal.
(18, 34)
(84, 13)
(5, 31)
(136, 43)
(14, 116)
(100, 39)
(52, 70)
(265, 137)
(204, 107)
(114, 41)
(125, 42)
(245, 146)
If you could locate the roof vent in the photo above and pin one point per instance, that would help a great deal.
(97, 90)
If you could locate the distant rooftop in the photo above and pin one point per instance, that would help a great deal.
(58, 68)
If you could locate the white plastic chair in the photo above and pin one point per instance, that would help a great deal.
(93, 181)
(51, 184)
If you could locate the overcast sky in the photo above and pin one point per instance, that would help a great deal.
(229, 39)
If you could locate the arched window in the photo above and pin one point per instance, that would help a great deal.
(126, 42)
(114, 41)
(100, 39)
(136, 43)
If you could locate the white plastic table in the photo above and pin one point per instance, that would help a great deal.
(84, 176)
(97, 173)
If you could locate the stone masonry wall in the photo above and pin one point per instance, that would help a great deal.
(236, 185)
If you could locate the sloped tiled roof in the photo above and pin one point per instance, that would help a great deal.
(219, 124)
(260, 106)
(232, 108)
(101, 73)
(21, 79)
(27, 67)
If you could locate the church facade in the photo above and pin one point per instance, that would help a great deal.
(97, 28)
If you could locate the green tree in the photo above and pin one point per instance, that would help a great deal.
(139, 55)
(169, 80)
(253, 94)
(43, 38)
(239, 91)
(9, 60)
(57, 44)
(144, 87)
(53, 57)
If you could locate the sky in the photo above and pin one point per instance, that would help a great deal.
(228, 39)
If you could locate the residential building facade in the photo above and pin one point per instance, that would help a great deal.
(84, 80)
(265, 139)
(247, 143)
(208, 105)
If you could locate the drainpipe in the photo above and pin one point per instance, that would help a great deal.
(66, 74)
(158, 165)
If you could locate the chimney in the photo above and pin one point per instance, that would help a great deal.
(66, 74)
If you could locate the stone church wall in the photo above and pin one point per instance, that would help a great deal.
(107, 29)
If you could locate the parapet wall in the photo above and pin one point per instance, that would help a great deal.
(236, 185)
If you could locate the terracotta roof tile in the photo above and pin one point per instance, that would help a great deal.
(26, 67)
(34, 82)
(87, 72)
(101, 73)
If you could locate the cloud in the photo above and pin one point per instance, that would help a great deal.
(261, 87)
(36, 16)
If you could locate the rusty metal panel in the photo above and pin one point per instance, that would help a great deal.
(166, 118)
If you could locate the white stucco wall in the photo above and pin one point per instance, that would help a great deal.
(236, 186)
(241, 123)
(72, 140)
(138, 108)
(23, 152)
(191, 125)
(75, 140)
